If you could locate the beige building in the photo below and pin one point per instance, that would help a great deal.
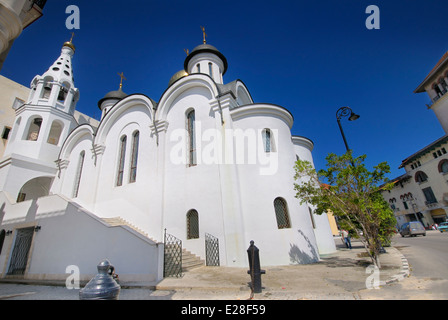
(16, 15)
(12, 96)
(421, 194)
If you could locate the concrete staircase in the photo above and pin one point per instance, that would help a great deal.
(118, 221)
(190, 261)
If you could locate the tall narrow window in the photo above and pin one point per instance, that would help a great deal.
(191, 138)
(210, 69)
(199, 68)
(134, 157)
(5, 134)
(429, 195)
(267, 140)
(121, 161)
(281, 213)
(312, 217)
(192, 224)
(2, 239)
(78, 174)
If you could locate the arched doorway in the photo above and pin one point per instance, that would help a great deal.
(35, 188)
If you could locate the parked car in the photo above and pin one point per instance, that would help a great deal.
(443, 227)
(412, 228)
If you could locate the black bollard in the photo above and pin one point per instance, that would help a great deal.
(102, 286)
(254, 268)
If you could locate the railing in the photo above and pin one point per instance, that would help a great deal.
(40, 3)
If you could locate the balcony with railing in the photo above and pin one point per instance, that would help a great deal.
(40, 3)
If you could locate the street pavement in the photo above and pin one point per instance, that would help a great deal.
(343, 275)
(428, 261)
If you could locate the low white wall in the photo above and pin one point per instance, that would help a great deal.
(69, 235)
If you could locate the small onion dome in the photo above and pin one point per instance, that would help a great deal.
(206, 48)
(177, 76)
(117, 95)
(70, 45)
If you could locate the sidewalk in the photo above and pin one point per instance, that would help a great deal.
(338, 276)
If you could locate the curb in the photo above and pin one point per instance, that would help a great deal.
(404, 272)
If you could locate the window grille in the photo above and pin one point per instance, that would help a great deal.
(281, 213)
(192, 225)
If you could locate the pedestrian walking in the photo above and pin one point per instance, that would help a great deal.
(346, 238)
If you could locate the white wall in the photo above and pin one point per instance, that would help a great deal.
(71, 236)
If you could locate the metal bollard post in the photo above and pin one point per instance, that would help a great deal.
(102, 286)
(254, 268)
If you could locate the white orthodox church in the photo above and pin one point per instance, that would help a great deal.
(204, 162)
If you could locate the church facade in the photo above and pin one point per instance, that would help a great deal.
(203, 161)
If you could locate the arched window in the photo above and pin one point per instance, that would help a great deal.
(134, 157)
(210, 69)
(63, 91)
(281, 213)
(420, 177)
(122, 153)
(48, 86)
(199, 68)
(55, 133)
(191, 138)
(268, 141)
(78, 174)
(192, 224)
(34, 129)
(443, 166)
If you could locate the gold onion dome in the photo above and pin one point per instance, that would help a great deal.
(70, 43)
(178, 75)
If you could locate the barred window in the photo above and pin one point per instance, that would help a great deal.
(135, 140)
(192, 224)
(281, 213)
(121, 161)
(268, 140)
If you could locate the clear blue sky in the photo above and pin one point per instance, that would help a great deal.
(311, 57)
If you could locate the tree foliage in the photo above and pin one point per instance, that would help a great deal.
(352, 193)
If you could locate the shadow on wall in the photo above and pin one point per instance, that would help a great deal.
(296, 255)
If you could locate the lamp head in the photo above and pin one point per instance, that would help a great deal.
(353, 117)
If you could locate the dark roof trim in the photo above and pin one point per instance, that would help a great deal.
(206, 49)
(424, 151)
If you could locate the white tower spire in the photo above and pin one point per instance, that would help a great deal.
(56, 86)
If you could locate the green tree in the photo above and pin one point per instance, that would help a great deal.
(352, 192)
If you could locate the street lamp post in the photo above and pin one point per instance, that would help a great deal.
(345, 112)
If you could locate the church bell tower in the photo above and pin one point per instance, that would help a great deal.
(41, 126)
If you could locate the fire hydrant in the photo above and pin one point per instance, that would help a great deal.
(102, 286)
(254, 268)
